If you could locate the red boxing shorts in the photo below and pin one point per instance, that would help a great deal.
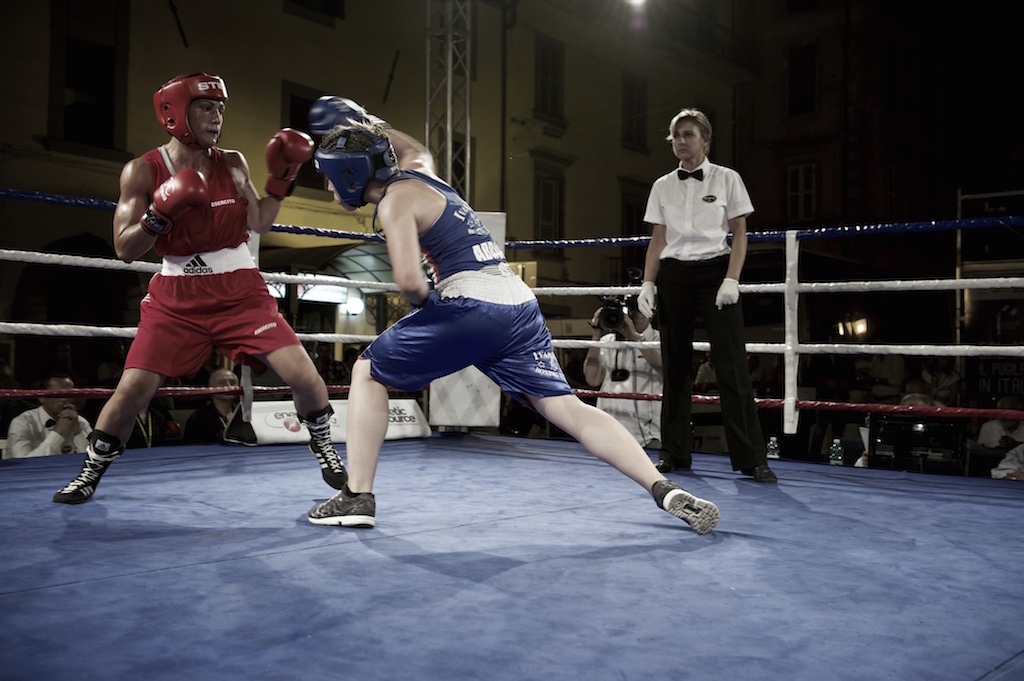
(185, 317)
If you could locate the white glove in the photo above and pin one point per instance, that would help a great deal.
(728, 293)
(648, 299)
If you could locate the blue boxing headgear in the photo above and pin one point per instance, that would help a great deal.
(351, 154)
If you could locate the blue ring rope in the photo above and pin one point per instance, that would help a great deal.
(600, 242)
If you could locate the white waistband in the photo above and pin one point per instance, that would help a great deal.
(497, 284)
(211, 262)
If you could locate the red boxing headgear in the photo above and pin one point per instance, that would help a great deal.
(173, 98)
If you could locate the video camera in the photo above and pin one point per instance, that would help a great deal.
(614, 309)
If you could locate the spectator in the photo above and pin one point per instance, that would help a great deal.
(882, 376)
(1012, 465)
(207, 423)
(153, 427)
(920, 386)
(201, 379)
(766, 374)
(1003, 434)
(943, 380)
(108, 373)
(62, 361)
(54, 427)
(211, 365)
(706, 380)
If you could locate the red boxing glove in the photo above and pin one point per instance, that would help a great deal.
(187, 189)
(287, 150)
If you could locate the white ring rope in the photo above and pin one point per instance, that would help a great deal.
(765, 348)
(85, 331)
(152, 268)
(867, 286)
(76, 261)
(74, 330)
(791, 288)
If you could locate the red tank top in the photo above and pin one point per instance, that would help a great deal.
(222, 224)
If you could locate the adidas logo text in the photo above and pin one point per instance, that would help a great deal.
(197, 266)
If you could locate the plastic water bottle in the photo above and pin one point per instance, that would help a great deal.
(835, 454)
(773, 447)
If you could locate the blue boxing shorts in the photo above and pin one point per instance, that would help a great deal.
(510, 344)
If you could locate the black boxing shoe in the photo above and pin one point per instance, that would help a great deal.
(99, 454)
(320, 444)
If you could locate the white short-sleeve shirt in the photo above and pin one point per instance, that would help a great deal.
(642, 418)
(991, 432)
(30, 434)
(696, 213)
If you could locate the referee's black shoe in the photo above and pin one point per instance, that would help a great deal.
(667, 463)
(761, 474)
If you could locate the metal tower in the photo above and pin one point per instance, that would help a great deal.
(448, 76)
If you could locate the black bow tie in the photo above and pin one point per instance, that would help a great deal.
(696, 174)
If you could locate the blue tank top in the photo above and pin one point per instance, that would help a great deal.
(458, 241)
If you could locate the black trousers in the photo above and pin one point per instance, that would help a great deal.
(686, 290)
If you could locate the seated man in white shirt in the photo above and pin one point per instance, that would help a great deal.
(1012, 465)
(54, 427)
(1003, 433)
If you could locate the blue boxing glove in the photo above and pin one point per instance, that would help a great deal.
(328, 112)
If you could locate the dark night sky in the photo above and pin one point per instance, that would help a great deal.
(980, 124)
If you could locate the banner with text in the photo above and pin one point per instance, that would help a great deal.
(990, 378)
(277, 422)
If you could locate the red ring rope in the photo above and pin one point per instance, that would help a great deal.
(763, 402)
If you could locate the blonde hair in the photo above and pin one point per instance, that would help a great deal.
(359, 133)
(699, 119)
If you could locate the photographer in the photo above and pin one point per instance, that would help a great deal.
(627, 370)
